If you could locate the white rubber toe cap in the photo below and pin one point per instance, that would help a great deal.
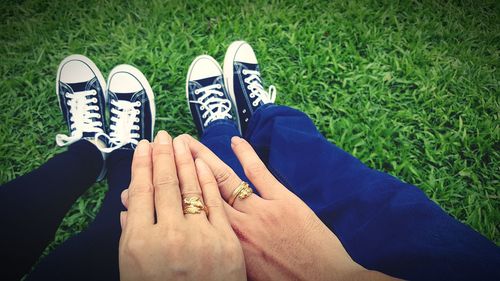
(124, 82)
(204, 67)
(245, 54)
(75, 71)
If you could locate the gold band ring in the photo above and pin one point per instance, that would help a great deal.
(193, 205)
(242, 191)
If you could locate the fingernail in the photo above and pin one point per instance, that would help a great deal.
(179, 145)
(123, 217)
(124, 197)
(236, 140)
(162, 137)
(142, 148)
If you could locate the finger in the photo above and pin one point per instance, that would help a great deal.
(165, 182)
(265, 183)
(226, 178)
(186, 172)
(123, 219)
(140, 194)
(124, 197)
(211, 196)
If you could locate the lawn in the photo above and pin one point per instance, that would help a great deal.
(408, 87)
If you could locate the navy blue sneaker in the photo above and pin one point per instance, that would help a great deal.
(207, 97)
(243, 82)
(80, 90)
(131, 108)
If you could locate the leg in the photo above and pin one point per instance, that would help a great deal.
(93, 254)
(384, 224)
(33, 206)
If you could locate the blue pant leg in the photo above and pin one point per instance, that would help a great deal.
(384, 224)
(217, 137)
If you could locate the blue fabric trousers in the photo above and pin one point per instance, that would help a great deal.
(383, 223)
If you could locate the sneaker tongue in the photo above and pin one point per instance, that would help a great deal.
(251, 66)
(87, 135)
(78, 87)
(208, 81)
(124, 96)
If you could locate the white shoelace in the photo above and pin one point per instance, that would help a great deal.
(214, 106)
(82, 110)
(257, 91)
(124, 115)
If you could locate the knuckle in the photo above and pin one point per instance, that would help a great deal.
(190, 189)
(223, 175)
(254, 169)
(207, 180)
(213, 203)
(165, 180)
(271, 218)
(163, 150)
(140, 188)
(133, 247)
(141, 161)
(183, 160)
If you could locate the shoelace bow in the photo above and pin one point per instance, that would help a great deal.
(257, 91)
(215, 107)
(124, 115)
(82, 110)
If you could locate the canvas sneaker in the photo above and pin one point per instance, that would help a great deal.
(244, 83)
(80, 91)
(206, 94)
(131, 109)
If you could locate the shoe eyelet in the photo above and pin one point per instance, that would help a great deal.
(196, 92)
(137, 112)
(244, 71)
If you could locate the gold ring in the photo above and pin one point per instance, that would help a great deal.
(193, 205)
(242, 191)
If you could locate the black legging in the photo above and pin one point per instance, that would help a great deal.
(51, 190)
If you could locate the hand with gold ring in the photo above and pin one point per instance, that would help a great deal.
(175, 227)
(277, 225)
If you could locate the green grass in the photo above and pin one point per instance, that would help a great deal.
(408, 87)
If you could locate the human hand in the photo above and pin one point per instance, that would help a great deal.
(177, 246)
(281, 236)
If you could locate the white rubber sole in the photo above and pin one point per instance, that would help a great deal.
(228, 74)
(90, 64)
(188, 75)
(126, 68)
